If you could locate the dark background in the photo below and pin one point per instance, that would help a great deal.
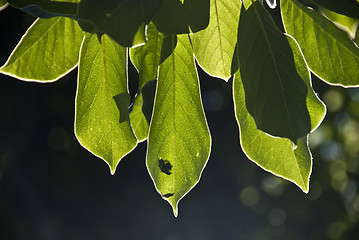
(52, 188)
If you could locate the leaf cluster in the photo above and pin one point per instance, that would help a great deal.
(275, 105)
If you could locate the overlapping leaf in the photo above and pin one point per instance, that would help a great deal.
(3, 4)
(275, 92)
(214, 46)
(349, 8)
(330, 54)
(179, 16)
(278, 155)
(179, 141)
(146, 60)
(47, 8)
(48, 50)
(123, 20)
(102, 120)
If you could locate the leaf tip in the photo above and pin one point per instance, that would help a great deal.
(175, 210)
(112, 169)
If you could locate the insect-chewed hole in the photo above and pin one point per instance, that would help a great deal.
(165, 166)
(168, 195)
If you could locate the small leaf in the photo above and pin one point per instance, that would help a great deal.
(179, 141)
(48, 50)
(214, 46)
(348, 8)
(3, 4)
(140, 116)
(178, 16)
(102, 120)
(122, 20)
(275, 93)
(330, 54)
(146, 59)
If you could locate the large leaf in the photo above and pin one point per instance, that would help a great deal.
(48, 50)
(330, 54)
(146, 59)
(179, 16)
(275, 155)
(47, 8)
(214, 46)
(102, 121)
(348, 8)
(179, 141)
(275, 92)
(278, 155)
(123, 20)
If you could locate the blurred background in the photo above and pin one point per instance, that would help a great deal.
(51, 188)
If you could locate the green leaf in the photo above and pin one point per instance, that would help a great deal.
(123, 20)
(275, 92)
(248, 3)
(179, 140)
(330, 54)
(278, 155)
(141, 110)
(146, 59)
(102, 120)
(214, 47)
(48, 50)
(316, 107)
(46, 8)
(3, 4)
(275, 155)
(348, 8)
(179, 16)
(347, 24)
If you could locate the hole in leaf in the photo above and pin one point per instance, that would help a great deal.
(165, 166)
(168, 195)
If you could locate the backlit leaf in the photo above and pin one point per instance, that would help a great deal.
(48, 50)
(275, 155)
(46, 8)
(278, 155)
(146, 59)
(214, 46)
(3, 4)
(178, 16)
(275, 92)
(349, 8)
(102, 120)
(123, 20)
(179, 141)
(330, 53)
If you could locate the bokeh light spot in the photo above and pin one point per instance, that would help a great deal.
(335, 230)
(331, 150)
(334, 100)
(249, 196)
(213, 101)
(276, 217)
(273, 186)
